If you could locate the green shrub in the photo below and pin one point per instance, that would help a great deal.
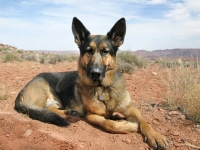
(127, 61)
(11, 57)
(52, 59)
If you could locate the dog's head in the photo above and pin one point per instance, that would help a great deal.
(98, 52)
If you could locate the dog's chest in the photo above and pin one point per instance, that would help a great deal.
(105, 96)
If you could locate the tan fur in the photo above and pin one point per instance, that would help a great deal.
(88, 92)
(99, 112)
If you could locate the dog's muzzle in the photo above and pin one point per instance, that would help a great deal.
(96, 73)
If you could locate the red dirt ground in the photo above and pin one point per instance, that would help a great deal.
(18, 132)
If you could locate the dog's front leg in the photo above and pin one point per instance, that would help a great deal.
(111, 125)
(154, 139)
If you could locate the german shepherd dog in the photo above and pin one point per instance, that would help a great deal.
(95, 91)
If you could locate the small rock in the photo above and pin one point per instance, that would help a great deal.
(27, 133)
(7, 135)
(178, 144)
(91, 144)
(155, 122)
(174, 113)
(160, 109)
(154, 73)
(182, 117)
(12, 92)
(168, 117)
(198, 127)
(128, 141)
(175, 133)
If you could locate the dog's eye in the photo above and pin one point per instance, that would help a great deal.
(90, 51)
(104, 52)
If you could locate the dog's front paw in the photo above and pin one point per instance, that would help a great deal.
(157, 141)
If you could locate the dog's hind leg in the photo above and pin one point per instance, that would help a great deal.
(111, 125)
(57, 111)
(53, 105)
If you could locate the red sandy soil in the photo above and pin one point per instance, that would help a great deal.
(19, 132)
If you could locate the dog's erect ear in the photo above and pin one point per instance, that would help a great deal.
(80, 32)
(117, 33)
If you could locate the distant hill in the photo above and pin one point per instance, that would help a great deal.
(4, 47)
(169, 53)
(155, 54)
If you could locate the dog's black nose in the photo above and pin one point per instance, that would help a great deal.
(96, 73)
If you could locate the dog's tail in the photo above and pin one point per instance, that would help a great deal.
(38, 113)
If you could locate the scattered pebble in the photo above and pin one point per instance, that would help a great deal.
(12, 92)
(168, 117)
(198, 127)
(128, 141)
(27, 133)
(154, 73)
(7, 135)
(182, 117)
(175, 133)
(156, 122)
(174, 113)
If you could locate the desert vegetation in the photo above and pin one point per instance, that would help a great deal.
(127, 62)
(9, 53)
(182, 79)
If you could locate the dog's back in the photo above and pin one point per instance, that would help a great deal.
(46, 90)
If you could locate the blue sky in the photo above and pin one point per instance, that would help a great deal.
(151, 24)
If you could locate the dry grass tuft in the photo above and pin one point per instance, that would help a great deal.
(3, 92)
(183, 90)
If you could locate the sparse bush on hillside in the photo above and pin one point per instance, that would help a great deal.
(10, 53)
(184, 90)
(71, 58)
(127, 61)
(30, 57)
(2, 49)
(10, 57)
(52, 59)
(166, 63)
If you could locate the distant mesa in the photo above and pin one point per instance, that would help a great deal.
(169, 53)
(155, 54)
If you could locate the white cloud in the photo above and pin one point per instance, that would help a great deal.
(193, 5)
(160, 34)
(60, 2)
(179, 12)
(184, 11)
(51, 29)
(151, 2)
(155, 2)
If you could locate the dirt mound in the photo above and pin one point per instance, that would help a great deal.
(146, 88)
